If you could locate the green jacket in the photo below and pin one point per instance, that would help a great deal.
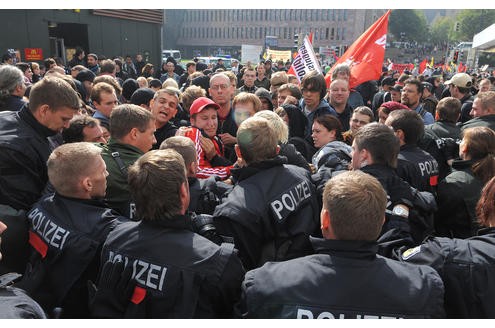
(118, 194)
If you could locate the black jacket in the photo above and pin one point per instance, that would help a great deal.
(15, 303)
(270, 212)
(24, 150)
(398, 192)
(345, 279)
(294, 157)
(425, 176)
(467, 267)
(487, 120)
(165, 132)
(66, 236)
(179, 273)
(457, 196)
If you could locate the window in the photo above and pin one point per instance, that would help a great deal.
(343, 33)
(332, 34)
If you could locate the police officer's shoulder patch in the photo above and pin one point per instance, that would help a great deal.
(411, 252)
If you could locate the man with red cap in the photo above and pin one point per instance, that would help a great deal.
(209, 147)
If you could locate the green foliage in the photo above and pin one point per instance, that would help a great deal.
(442, 29)
(474, 21)
(409, 21)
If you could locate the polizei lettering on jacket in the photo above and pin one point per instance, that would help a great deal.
(312, 314)
(145, 273)
(51, 233)
(290, 200)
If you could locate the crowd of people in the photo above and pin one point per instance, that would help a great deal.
(207, 192)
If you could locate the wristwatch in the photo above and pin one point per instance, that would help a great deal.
(401, 210)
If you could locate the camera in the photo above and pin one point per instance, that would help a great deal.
(203, 225)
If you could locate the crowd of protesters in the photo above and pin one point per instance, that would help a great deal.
(129, 190)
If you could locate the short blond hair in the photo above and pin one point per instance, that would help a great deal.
(70, 162)
(277, 123)
(257, 140)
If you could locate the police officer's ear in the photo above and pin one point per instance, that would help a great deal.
(237, 151)
(184, 197)
(278, 149)
(87, 184)
(326, 226)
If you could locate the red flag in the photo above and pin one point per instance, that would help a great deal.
(422, 66)
(365, 56)
(461, 68)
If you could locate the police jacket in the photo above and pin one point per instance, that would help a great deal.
(344, 279)
(15, 303)
(270, 212)
(66, 235)
(466, 267)
(206, 194)
(487, 120)
(444, 129)
(427, 168)
(176, 272)
(398, 192)
(457, 196)
(24, 150)
(118, 196)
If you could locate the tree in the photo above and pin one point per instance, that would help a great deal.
(474, 21)
(412, 23)
(442, 29)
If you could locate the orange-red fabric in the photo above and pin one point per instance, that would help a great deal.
(365, 56)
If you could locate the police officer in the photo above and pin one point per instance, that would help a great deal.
(24, 150)
(409, 127)
(273, 207)
(67, 230)
(172, 271)
(345, 278)
(132, 131)
(465, 265)
(16, 304)
(205, 194)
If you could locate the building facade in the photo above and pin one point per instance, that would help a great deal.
(206, 32)
(41, 33)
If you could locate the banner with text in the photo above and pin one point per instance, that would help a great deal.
(275, 55)
(305, 60)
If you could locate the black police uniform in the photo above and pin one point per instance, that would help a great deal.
(66, 235)
(24, 150)
(345, 279)
(467, 268)
(177, 273)
(426, 164)
(270, 212)
(206, 194)
(15, 304)
(457, 197)
(398, 192)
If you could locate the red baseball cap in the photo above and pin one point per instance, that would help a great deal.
(201, 103)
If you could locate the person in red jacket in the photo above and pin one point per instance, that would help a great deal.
(209, 146)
